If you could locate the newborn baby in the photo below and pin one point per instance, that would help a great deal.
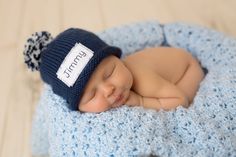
(157, 78)
(91, 77)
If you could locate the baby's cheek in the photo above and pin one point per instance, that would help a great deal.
(101, 105)
(127, 79)
(95, 105)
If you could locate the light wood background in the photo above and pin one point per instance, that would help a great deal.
(20, 88)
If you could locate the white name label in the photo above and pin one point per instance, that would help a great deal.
(74, 63)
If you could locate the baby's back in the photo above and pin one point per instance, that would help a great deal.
(169, 63)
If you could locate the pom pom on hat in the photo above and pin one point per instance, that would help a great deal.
(33, 48)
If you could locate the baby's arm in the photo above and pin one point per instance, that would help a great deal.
(162, 95)
(165, 103)
(156, 103)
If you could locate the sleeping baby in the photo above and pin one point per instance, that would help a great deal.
(89, 74)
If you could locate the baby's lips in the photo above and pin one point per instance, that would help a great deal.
(118, 98)
(117, 101)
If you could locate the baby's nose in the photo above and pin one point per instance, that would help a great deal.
(108, 89)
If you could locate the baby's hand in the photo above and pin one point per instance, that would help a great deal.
(134, 99)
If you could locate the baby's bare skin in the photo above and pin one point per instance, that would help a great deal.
(157, 78)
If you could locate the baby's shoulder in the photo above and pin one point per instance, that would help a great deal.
(159, 52)
(158, 57)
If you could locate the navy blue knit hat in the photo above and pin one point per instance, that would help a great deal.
(67, 62)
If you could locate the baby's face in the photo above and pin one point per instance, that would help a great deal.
(108, 87)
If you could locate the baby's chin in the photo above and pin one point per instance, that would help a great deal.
(126, 96)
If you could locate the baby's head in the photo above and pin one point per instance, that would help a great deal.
(76, 65)
(108, 87)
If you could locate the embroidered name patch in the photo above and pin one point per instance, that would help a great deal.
(74, 63)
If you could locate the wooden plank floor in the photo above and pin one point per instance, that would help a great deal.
(20, 89)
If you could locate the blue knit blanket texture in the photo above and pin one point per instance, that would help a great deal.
(206, 129)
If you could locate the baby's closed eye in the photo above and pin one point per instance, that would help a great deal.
(108, 72)
(107, 75)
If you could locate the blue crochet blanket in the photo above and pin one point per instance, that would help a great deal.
(206, 128)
